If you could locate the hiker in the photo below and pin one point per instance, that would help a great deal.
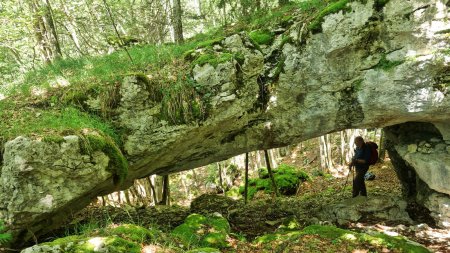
(361, 162)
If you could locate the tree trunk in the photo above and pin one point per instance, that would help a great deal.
(382, 146)
(177, 21)
(269, 169)
(40, 32)
(246, 179)
(219, 166)
(51, 22)
(166, 191)
(155, 198)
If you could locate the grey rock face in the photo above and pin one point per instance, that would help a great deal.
(368, 68)
(425, 174)
(353, 210)
(39, 177)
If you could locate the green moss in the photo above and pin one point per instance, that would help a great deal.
(341, 238)
(286, 177)
(118, 164)
(79, 244)
(53, 138)
(386, 65)
(213, 59)
(117, 244)
(210, 42)
(357, 85)
(203, 231)
(262, 36)
(316, 24)
(133, 233)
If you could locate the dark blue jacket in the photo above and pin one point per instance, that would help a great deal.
(363, 154)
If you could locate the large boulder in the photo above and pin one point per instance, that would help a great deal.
(382, 63)
(389, 209)
(419, 152)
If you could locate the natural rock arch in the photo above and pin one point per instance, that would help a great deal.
(370, 67)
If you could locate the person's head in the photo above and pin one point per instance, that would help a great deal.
(359, 141)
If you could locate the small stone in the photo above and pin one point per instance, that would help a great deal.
(428, 145)
(435, 140)
(422, 143)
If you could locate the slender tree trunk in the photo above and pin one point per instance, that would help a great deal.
(177, 21)
(219, 166)
(155, 198)
(51, 22)
(108, 10)
(166, 191)
(246, 179)
(382, 146)
(269, 169)
(70, 26)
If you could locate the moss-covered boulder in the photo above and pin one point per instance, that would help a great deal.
(203, 231)
(287, 178)
(79, 244)
(212, 203)
(316, 238)
(114, 239)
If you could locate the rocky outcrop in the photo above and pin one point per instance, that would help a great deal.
(373, 66)
(357, 209)
(420, 154)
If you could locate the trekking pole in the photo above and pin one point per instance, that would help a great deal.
(346, 180)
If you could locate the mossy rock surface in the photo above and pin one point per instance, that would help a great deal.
(213, 203)
(317, 238)
(80, 244)
(203, 231)
(287, 178)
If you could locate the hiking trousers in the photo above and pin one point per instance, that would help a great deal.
(359, 185)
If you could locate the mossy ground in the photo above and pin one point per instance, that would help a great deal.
(203, 231)
(332, 239)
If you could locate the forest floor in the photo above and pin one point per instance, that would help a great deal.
(252, 229)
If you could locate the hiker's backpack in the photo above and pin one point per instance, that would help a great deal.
(373, 152)
(369, 176)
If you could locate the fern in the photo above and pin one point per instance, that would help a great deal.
(4, 237)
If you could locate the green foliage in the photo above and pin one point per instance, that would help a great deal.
(262, 36)
(203, 231)
(316, 24)
(4, 237)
